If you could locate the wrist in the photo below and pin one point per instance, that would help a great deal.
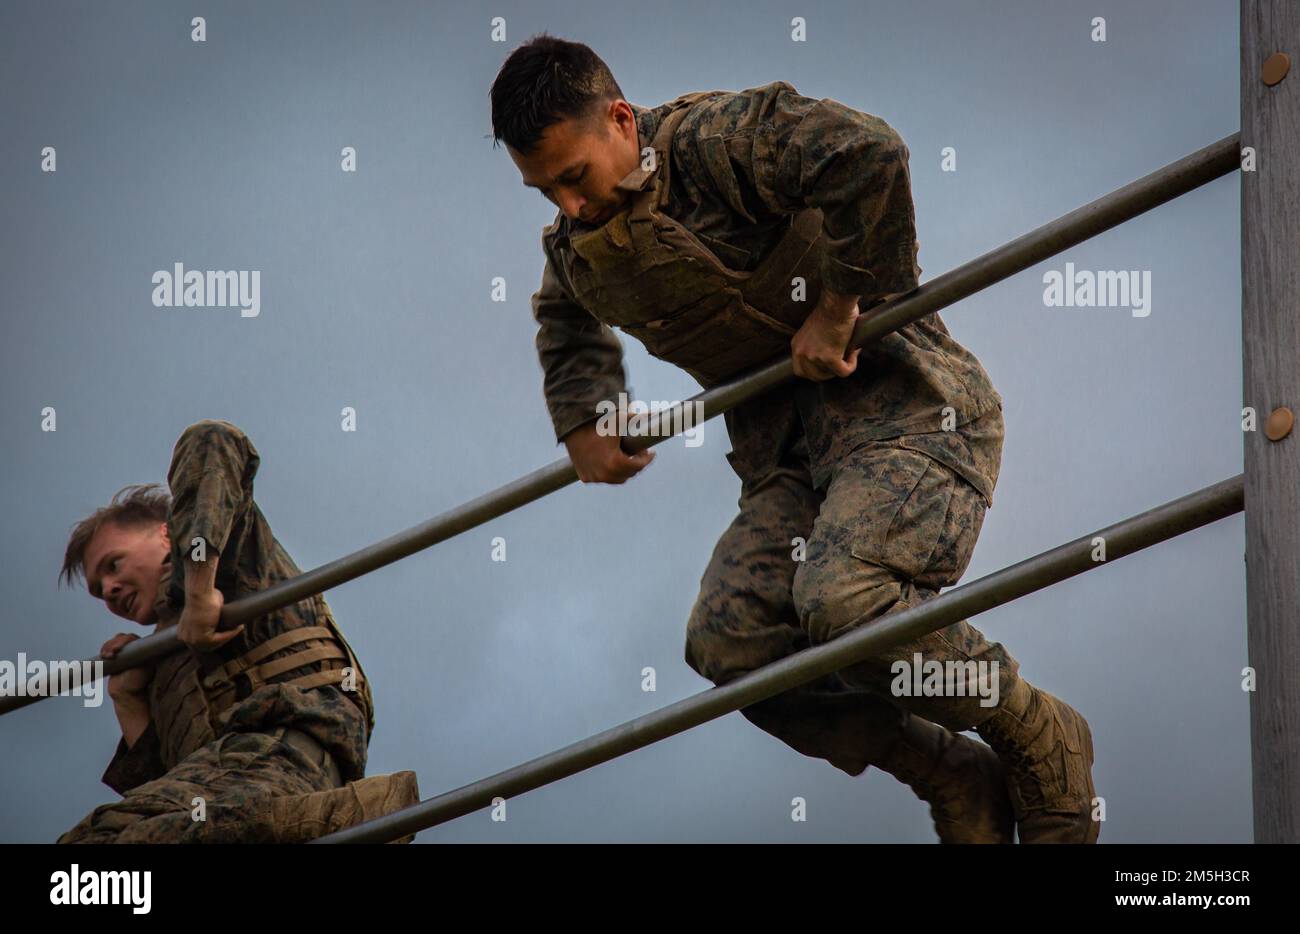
(199, 595)
(837, 306)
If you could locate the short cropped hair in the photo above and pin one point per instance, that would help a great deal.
(132, 506)
(544, 81)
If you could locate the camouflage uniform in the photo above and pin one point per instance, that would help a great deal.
(751, 187)
(262, 728)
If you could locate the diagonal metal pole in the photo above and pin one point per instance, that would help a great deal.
(1123, 204)
(1042, 570)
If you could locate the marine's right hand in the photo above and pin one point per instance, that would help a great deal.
(599, 458)
(132, 683)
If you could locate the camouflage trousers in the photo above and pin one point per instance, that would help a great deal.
(238, 776)
(891, 528)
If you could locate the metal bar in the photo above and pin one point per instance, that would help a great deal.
(1124, 538)
(1133, 199)
(1270, 334)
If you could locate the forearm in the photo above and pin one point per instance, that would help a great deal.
(837, 305)
(133, 716)
(211, 480)
(199, 626)
(200, 578)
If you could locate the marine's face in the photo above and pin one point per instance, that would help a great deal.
(577, 165)
(123, 568)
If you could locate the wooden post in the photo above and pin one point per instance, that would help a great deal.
(1270, 330)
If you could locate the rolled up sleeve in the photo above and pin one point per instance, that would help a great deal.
(211, 482)
(132, 766)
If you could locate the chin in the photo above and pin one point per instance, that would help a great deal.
(147, 618)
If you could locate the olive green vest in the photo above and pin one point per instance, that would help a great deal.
(190, 709)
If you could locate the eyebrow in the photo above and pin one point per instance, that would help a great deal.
(569, 171)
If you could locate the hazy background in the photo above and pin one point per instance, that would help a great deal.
(376, 294)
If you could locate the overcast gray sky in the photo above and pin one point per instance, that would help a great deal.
(375, 293)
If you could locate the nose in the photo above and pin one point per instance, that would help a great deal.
(572, 206)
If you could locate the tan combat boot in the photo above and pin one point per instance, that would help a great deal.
(1046, 747)
(961, 780)
(298, 818)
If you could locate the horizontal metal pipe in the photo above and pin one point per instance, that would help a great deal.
(1123, 538)
(1133, 199)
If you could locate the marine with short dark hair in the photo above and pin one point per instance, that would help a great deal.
(722, 229)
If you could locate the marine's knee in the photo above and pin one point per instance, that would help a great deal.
(836, 593)
(704, 651)
(723, 643)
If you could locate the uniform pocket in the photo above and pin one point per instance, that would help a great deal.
(921, 518)
(930, 536)
(733, 257)
(951, 450)
(904, 501)
(715, 155)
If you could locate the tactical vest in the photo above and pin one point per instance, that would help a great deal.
(649, 276)
(190, 709)
(652, 278)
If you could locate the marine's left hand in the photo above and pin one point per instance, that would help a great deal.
(819, 346)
